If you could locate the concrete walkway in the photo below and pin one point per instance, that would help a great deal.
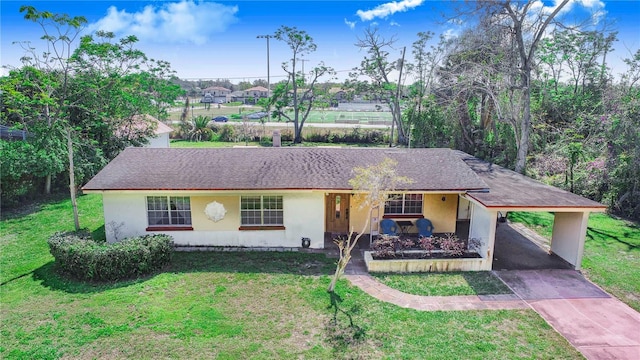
(435, 303)
(596, 324)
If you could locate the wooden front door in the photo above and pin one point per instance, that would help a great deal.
(337, 213)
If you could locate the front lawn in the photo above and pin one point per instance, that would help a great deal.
(445, 284)
(229, 306)
(611, 252)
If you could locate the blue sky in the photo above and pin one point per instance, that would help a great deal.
(207, 39)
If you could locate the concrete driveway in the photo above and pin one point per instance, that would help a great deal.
(597, 324)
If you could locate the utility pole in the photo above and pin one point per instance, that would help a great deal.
(268, 72)
(304, 76)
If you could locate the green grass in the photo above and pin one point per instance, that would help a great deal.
(228, 306)
(611, 252)
(445, 284)
(315, 116)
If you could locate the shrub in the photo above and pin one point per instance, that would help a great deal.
(227, 133)
(387, 246)
(451, 245)
(428, 244)
(79, 256)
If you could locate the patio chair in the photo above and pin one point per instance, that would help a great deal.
(389, 227)
(425, 227)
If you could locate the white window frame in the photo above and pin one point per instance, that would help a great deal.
(404, 200)
(171, 214)
(261, 213)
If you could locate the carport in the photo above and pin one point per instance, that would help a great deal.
(510, 191)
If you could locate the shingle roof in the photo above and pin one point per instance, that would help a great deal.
(508, 189)
(277, 168)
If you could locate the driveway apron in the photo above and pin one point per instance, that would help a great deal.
(597, 324)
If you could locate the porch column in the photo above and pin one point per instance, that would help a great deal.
(483, 227)
(569, 232)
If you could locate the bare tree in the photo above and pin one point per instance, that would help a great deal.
(373, 184)
(378, 68)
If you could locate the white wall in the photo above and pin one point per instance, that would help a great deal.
(483, 227)
(161, 141)
(569, 232)
(303, 217)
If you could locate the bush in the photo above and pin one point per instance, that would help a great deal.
(227, 133)
(77, 255)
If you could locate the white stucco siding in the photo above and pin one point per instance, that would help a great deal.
(569, 232)
(160, 141)
(303, 216)
(483, 227)
(124, 215)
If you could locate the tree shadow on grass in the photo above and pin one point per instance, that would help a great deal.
(252, 262)
(50, 278)
(485, 283)
(604, 237)
(196, 262)
(342, 332)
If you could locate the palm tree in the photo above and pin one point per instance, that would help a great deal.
(199, 130)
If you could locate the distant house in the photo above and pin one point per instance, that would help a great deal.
(140, 123)
(274, 197)
(337, 96)
(162, 132)
(236, 96)
(257, 91)
(215, 94)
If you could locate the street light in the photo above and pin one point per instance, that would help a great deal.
(268, 75)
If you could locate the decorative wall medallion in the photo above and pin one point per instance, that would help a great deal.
(215, 211)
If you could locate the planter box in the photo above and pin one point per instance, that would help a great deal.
(425, 265)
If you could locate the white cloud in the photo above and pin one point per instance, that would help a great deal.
(384, 10)
(186, 21)
(393, 23)
(350, 24)
(451, 34)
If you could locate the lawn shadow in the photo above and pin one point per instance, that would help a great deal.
(343, 334)
(603, 237)
(294, 263)
(485, 283)
(193, 262)
(33, 206)
(50, 278)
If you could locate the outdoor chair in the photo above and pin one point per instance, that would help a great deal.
(389, 227)
(425, 227)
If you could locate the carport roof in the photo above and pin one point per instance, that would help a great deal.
(508, 189)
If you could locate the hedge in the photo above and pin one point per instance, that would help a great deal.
(77, 255)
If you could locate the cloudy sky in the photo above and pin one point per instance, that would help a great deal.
(207, 39)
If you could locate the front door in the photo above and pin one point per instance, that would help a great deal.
(337, 213)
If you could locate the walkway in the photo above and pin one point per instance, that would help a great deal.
(598, 325)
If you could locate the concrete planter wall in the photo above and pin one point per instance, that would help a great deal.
(425, 265)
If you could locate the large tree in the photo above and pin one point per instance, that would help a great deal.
(88, 101)
(526, 23)
(378, 68)
(298, 93)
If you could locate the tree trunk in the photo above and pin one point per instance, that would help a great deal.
(525, 130)
(47, 184)
(72, 182)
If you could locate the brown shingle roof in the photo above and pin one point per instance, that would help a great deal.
(277, 168)
(508, 189)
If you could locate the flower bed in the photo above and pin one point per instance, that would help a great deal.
(420, 263)
(448, 253)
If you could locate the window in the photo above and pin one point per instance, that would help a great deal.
(403, 204)
(261, 211)
(168, 210)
